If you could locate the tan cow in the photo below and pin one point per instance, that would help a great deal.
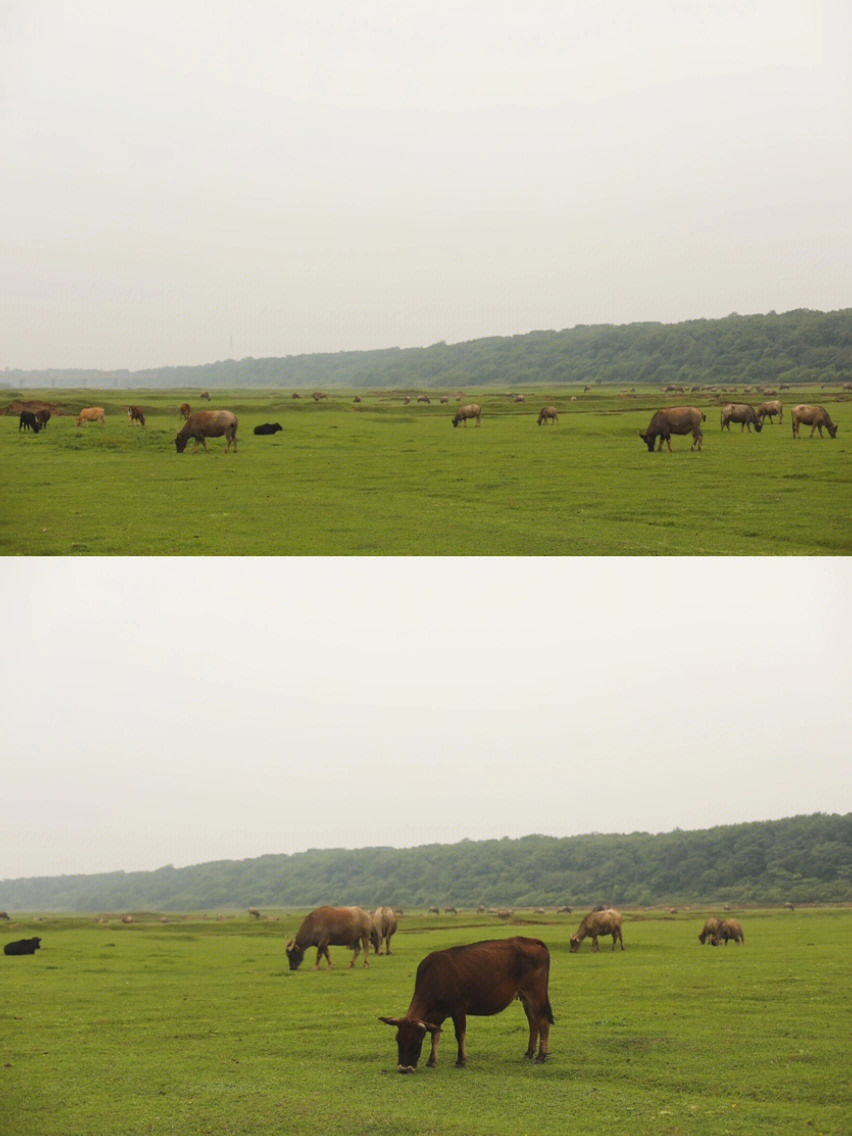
(814, 416)
(743, 413)
(547, 414)
(206, 424)
(770, 409)
(596, 923)
(728, 929)
(384, 928)
(709, 930)
(674, 420)
(472, 410)
(92, 414)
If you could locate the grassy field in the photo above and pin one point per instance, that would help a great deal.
(382, 478)
(199, 1027)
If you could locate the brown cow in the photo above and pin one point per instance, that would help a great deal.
(472, 410)
(480, 979)
(770, 409)
(709, 929)
(331, 926)
(384, 928)
(205, 395)
(674, 420)
(728, 929)
(596, 923)
(135, 414)
(743, 413)
(204, 424)
(254, 912)
(91, 414)
(519, 398)
(547, 414)
(42, 417)
(424, 398)
(185, 410)
(814, 416)
(317, 395)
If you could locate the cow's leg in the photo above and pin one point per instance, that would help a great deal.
(595, 946)
(533, 1024)
(460, 1024)
(433, 1054)
(669, 443)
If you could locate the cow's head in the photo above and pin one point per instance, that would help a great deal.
(180, 443)
(832, 431)
(758, 424)
(409, 1040)
(456, 420)
(295, 954)
(277, 426)
(648, 439)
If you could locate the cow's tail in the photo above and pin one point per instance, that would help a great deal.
(548, 1011)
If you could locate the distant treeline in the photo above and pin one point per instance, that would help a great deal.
(793, 348)
(804, 859)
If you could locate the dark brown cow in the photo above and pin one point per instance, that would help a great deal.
(185, 410)
(743, 413)
(598, 923)
(814, 416)
(384, 929)
(472, 410)
(331, 927)
(135, 414)
(728, 929)
(770, 409)
(709, 930)
(674, 420)
(22, 947)
(204, 424)
(42, 417)
(480, 979)
(547, 414)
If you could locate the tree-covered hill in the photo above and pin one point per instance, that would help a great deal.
(793, 348)
(804, 859)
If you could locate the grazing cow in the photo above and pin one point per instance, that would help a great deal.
(204, 395)
(444, 399)
(4, 914)
(135, 414)
(424, 398)
(480, 979)
(709, 930)
(472, 410)
(331, 926)
(92, 414)
(728, 929)
(598, 923)
(564, 910)
(268, 428)
(674, 420)
(28, 421)
(317, 395)
(743, 413)
(547, 414)
(384, 928)
(254, 912)
(22, 947)
(42, 417)
(451, 910)
(814, 416)
(204, 424)
(434, 911)
(185, 410)
(295, 394)
(357, 398)
(787, 907)
(519, 398)
(770, 409)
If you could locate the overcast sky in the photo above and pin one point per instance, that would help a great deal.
(179, 711)
(186, 182)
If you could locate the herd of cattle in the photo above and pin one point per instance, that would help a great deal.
(478, 979)
(204, 424)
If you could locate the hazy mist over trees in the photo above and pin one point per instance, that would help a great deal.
(804, 859)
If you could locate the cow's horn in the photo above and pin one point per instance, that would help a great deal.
(390, 1021)
(289, 945)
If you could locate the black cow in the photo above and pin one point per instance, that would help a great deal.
(479, 979)
(28, 421)
(22, 947)
(268, 428)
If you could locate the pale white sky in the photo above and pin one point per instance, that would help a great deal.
(185, 181)
(179, 711)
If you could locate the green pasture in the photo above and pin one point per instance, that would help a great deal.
(383, 478)
(198, 1026)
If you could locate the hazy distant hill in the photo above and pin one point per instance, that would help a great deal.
(794, 348)
(801, 859)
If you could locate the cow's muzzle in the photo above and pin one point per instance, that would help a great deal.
(405, 1069)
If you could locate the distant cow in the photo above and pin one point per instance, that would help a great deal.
(598, 923)
(814, 416)
(92, 414)
(185, 410)
(268, 428)
(770, 409)
(547, 414)
(254, 912)
(434, 911)
(331, 927)
(709, 930)
(424, 398)
(204, 395)
(519, 398)
(357, 398)
(317, 395)
(743, 413)
(22, 947)
(135, 414)
(480, 979)
(674, 420)
(204, 424)
(42, 417)
(295, 394)
(565, 910)
(4, 914)
(28, 421)
(728, 929)
(384, 928)
(472, 410)
(444, 399)
(451, 910)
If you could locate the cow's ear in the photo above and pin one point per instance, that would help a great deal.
(390, 1021)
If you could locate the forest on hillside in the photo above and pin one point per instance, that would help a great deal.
(804, 859)
(789, 349)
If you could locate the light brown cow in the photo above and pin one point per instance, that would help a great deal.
(709, 930)
(814, 416)
(519, 398)
(185, 410)
(743, 413)
(547, 414)
(92, 414)
(598, 923)
(674, 420)
(317, 395)
(424, 398)
(472, 410)
(770, 409)
(384, 928)
(205, 395)
(204, 424)
(728, 929)
(135, 414)
(335, 927)
(254, 912)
